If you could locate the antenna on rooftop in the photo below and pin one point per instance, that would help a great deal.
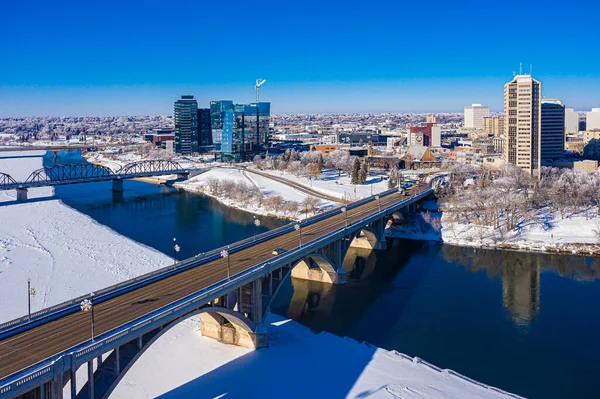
(530, 69)
(259, 82)
(520, 68)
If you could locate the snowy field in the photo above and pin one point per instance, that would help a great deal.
(266, 186)
(66, 254)
(329, 183)
(297, 364)
(578, 233)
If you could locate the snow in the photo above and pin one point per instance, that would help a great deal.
(549, 232)
(297, 364)
(267, 186)
(329, 183)
(66, 254)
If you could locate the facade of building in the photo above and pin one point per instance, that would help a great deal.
(571, 121)
(431, 119)
(493, 126)
(240, 131)
(204, 128)
(553, 129)
(186, 125)
(522, 128)
(474, 115)
(592, 119)
(428, 134)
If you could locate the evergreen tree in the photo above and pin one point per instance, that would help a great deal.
(355, 178)
(364, 172)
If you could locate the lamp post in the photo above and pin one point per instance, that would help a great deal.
(30, 293)
(345, 215)
(256, 224)
(176, 249)
(225, 254)
(378, 202)
(298, 228)
(87, 305)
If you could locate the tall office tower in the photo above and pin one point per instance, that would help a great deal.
(431, 119)
(186, 125)
(427, 134)
(571, 121)
(204, 128)
(493, 126)
(218, 112)
(592, 119)
(553, 129)
(240, 130)
(474, 115)
(522, 130)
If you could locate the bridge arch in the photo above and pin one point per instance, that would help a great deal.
(366, 237)
(316, 267)
(6, 179)
(207, 314)
(148, 166)
(61, 173)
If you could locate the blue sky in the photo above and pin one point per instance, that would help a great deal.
(135, 58)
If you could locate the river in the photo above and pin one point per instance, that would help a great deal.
(524, 322)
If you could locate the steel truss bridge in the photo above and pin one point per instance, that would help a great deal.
(87, 173)
(230, 288)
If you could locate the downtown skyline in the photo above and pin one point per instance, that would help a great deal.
(131, 60)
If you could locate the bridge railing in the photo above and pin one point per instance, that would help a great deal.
(150, 277)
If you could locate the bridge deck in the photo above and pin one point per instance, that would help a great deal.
(42, 342)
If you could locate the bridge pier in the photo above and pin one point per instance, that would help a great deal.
(117, 186)
(21, 194)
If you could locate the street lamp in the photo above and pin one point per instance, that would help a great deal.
(30, 293)
(378, 202)
(176, 249)
(256, 224)
(298, 228)
(345, 215)
(87, 305)
(225, 254)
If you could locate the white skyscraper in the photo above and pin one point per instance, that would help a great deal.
(592, 119)
(571, 121)
(474, 115)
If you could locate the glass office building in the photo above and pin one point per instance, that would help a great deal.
(186, 125)
(240, 131)
(204, 128)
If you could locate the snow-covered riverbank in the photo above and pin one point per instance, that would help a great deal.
(67, 254)
(548, 232)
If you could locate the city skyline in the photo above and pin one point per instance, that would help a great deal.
(115, 59)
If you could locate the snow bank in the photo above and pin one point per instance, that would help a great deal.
(329, 183)
(63, 252)
(268, 187)
(578, 233)
(297, 364)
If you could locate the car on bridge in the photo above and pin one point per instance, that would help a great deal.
(278, 251)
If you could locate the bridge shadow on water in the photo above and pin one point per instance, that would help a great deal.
(297, 364)
(29, 201)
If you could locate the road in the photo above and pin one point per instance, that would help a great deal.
(30, 347)
(297, 186)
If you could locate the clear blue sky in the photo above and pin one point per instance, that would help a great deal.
(136, 58)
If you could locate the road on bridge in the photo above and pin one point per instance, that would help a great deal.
(30, 347)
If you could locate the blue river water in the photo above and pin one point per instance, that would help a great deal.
(524, 322)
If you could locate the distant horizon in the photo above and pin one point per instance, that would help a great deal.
(116, 59)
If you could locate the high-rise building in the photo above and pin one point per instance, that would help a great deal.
(571, 121)
(522, 130)
(186, 125)
(240, 130)
(431, 119)
(592, 119)
(204, 128)
(474, 115)
(553, 129)
(493, 125)
(427, 134)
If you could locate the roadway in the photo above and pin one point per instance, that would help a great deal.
(30, 347)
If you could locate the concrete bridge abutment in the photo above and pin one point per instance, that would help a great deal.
(21, 194)
(117, 186)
